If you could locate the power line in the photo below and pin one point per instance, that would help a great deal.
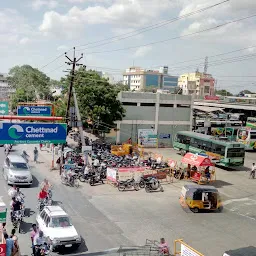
(173, 38)
(148, 28)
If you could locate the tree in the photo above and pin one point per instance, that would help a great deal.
(120, 87)
(150, 88)
(97, 99)
(223, 93)
(29, 84)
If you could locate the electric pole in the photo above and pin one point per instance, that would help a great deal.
(74, 63)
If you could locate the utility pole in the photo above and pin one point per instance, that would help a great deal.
(74, 63)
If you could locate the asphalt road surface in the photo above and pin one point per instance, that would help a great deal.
(97, 231)
(108, 219)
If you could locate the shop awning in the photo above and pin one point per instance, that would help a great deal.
(196, 160)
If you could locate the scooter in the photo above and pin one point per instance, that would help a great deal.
(128, 184)
(96, 179)
(153, 184)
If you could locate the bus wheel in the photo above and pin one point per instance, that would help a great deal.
(183, 152)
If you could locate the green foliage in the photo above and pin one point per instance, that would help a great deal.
(29, 83)
(60, 107)
(150, 88)
(96, 98)
(120, 87)
(223, 93)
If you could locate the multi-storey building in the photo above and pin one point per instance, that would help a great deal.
(197, 83)
(139, 79)
(5, 89)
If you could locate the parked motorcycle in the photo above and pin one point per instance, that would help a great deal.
(128, 184)
(72, 182)
(96, 179)
(16, 220)
(153, 184)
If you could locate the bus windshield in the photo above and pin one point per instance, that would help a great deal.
(235, 152)
(253, 135)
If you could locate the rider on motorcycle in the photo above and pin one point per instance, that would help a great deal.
(39, 242)
(15, 206)
(46, 185)
(43, 195)
(12, 192)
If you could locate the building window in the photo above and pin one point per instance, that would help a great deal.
(147, 104)
(183, 106)
(206, 89)
(166, 105)
(129, 103)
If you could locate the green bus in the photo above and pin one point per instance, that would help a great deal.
(223, 153)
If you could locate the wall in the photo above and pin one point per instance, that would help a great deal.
(139, 113)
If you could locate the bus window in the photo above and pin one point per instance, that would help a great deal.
(235, 152)
(253, 135)
(218, 149)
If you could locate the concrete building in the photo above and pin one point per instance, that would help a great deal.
(138, 79)
(5, 89)
(197, 83)
(164, 113)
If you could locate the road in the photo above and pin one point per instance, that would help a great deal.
(107, 218)
(97, 231)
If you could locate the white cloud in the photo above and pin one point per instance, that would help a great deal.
(24, 40)
(142, 51)
(38, 4)
(13, 27)
(62, 48)
(131, 13)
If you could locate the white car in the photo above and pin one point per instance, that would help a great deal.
(56, 226)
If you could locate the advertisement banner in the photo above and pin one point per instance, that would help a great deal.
(187, 251)
(32, 133)
(34, 111)
(3, 211)
(4, 109)
(111, 174)
(2, 249)
(130, 172)
(147, 137)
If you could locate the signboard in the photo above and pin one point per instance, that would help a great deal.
(32, 133)
(34, 110)
(164, 136)
(209, 97)
(187, 251)
(147, 137)
(111, 174)
(2, 249)
(4, 110)
(3, 211)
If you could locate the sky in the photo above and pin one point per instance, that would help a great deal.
(116, 34)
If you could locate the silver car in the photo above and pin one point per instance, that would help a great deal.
(16, 171)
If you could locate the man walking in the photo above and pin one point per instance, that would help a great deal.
(252, 174)
(35, 155)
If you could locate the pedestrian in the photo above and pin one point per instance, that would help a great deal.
(33, 233)
(16, 247)
(40, 146)
(12, 233)
(164, 247)
(252, 173)
(35, 155)
(9, 245)
(3, 228)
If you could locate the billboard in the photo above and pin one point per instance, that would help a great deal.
(4, 110)
(147, 137)
(32, 133)
(34, 111)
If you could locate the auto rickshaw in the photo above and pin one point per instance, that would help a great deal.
(198, 197)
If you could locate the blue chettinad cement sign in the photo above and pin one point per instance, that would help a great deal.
(34, 111)
(32, 133)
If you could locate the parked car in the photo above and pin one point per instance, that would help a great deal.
(56, 225)
(16, 171)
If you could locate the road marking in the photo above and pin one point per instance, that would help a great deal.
(238, 200)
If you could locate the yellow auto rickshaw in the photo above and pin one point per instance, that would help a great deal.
(198, 197)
